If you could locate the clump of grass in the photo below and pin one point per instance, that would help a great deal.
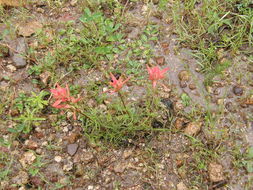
(207, 26)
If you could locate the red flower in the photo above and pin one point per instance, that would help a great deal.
(117, 84)
(63, 98)
(156, 74)
(61, 93)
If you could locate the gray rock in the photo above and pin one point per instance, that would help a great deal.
(238, 91)
(72, 149)
(20, 48)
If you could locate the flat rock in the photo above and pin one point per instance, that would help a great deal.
(29, 28)
(72, 149)
(215, 172)
(193, 128)
(17, 56)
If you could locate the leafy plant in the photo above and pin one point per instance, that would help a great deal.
(29, 108)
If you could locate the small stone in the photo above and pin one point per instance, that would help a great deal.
(209, 89)
(179, 123)
(192, 86)
(45, 76)
(244, 58)
(72, 149)
(4, 184)
(184, 75)
(11, 68)
(249, 100)
(217, 91)
(243, 105)
(198, 69)
(168, 103)
(73, 137)
(38, 151)
(127, 153)
(36, 181)
(181, 186)
(144, 9)
(183, 84)
(229, 106)
(40, 10)
(238, 91)
(220, 101)
(30, 144)
(193, 128)
(79, 170)
(215, 172)
(27, 159)
(65, 9)
(102, 107)
(223, 60)
(119, 167)
(21, 179)
(250, 67)
(69, 166)
(65, 129)
(179, 105)
(87, 157)
(58, 159)
(45, 143)
(160, 60)
(73, 2)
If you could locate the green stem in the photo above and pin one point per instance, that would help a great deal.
(123, 102)
(85, 115)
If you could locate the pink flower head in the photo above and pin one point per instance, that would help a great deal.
(61, 93)
(63, 98)
(117, 84)
(156, 74)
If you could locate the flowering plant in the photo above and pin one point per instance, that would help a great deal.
(117, 84)
(63, 99)
(155, 74)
